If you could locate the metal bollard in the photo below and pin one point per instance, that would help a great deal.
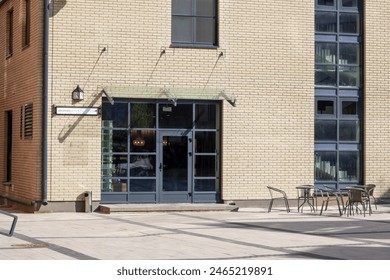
(88, 201)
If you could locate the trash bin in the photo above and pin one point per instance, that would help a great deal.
(88, 201)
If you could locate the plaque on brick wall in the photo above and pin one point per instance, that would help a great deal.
(88, 111)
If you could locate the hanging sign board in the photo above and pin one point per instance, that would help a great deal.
(88, 111)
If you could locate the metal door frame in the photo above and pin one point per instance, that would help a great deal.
(174, 196)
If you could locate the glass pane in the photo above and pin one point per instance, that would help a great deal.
(325, 166)
(349, 54)
(325, 130)
(142, 140)
(326, 22)
(205, 166)
(114, 185)
(325, 107)
(148, 185)
(349, 131)
(182, 7)
(206, 116)
(349, 23)
(326, 53)
(349, 166)
(114, 165)
(114, 115)
(143, 166)
(182, 29)
(325, 75)
(325, 2)
(349, 76)
(143, 115)
(175, 163)
(205, 142)
(205, 8)
(114, 141)
(206, 185)
(205, 30)
(349, 108)
(179, 116)
(349, 3)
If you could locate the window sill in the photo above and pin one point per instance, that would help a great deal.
(193, 46)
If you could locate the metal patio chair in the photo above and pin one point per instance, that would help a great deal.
(276, 193)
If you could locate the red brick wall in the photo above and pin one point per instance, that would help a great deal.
(21, 83)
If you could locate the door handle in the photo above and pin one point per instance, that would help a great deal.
(160, 167)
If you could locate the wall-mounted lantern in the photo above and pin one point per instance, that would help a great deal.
(78, 94)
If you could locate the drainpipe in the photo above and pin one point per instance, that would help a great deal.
(45, 99)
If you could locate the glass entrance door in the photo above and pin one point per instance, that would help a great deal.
(175, 167)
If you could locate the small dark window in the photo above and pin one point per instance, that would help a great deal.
(349, 3)
(349, 108)
(325, 2)
(194, 22)
(10, 31)
(26, 23)
(325, 107)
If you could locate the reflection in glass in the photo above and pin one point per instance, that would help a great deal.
(326, 53)
(115, 115)
(205, 30)
(349, 166)
(114, 185)
(145, 185)
(114, 165)
(206, 185)
(349, 108)
(143, 166)
(182, 29)
(179, 116)
(326, 22)
(325, 163)
(205, 166)
(205, 142)
(205, 8)
(325, 130)
(205, 116)
(143, 115)
(325, 2)
(349, 54)
(349, 23)
(349, 131)
(325, 75)
(349, 3)
(182, 7)
(142, 140)
(325, 107)
(349, 76)
(175, 163)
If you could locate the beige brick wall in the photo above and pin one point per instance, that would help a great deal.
(377, 98)
(267, 64)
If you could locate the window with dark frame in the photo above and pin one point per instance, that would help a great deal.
(26, 23)
(194, 23)
(10, 35)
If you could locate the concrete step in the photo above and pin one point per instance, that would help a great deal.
(174, 207)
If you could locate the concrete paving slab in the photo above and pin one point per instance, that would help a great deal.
(248, 234)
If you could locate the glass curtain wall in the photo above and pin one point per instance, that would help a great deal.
(338, 92)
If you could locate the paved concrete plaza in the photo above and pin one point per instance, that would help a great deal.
(245, 234)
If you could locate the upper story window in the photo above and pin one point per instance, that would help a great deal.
(10, 32)
(26, 23)
(194, 23)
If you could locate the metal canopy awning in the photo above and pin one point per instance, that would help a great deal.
(173, 94)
